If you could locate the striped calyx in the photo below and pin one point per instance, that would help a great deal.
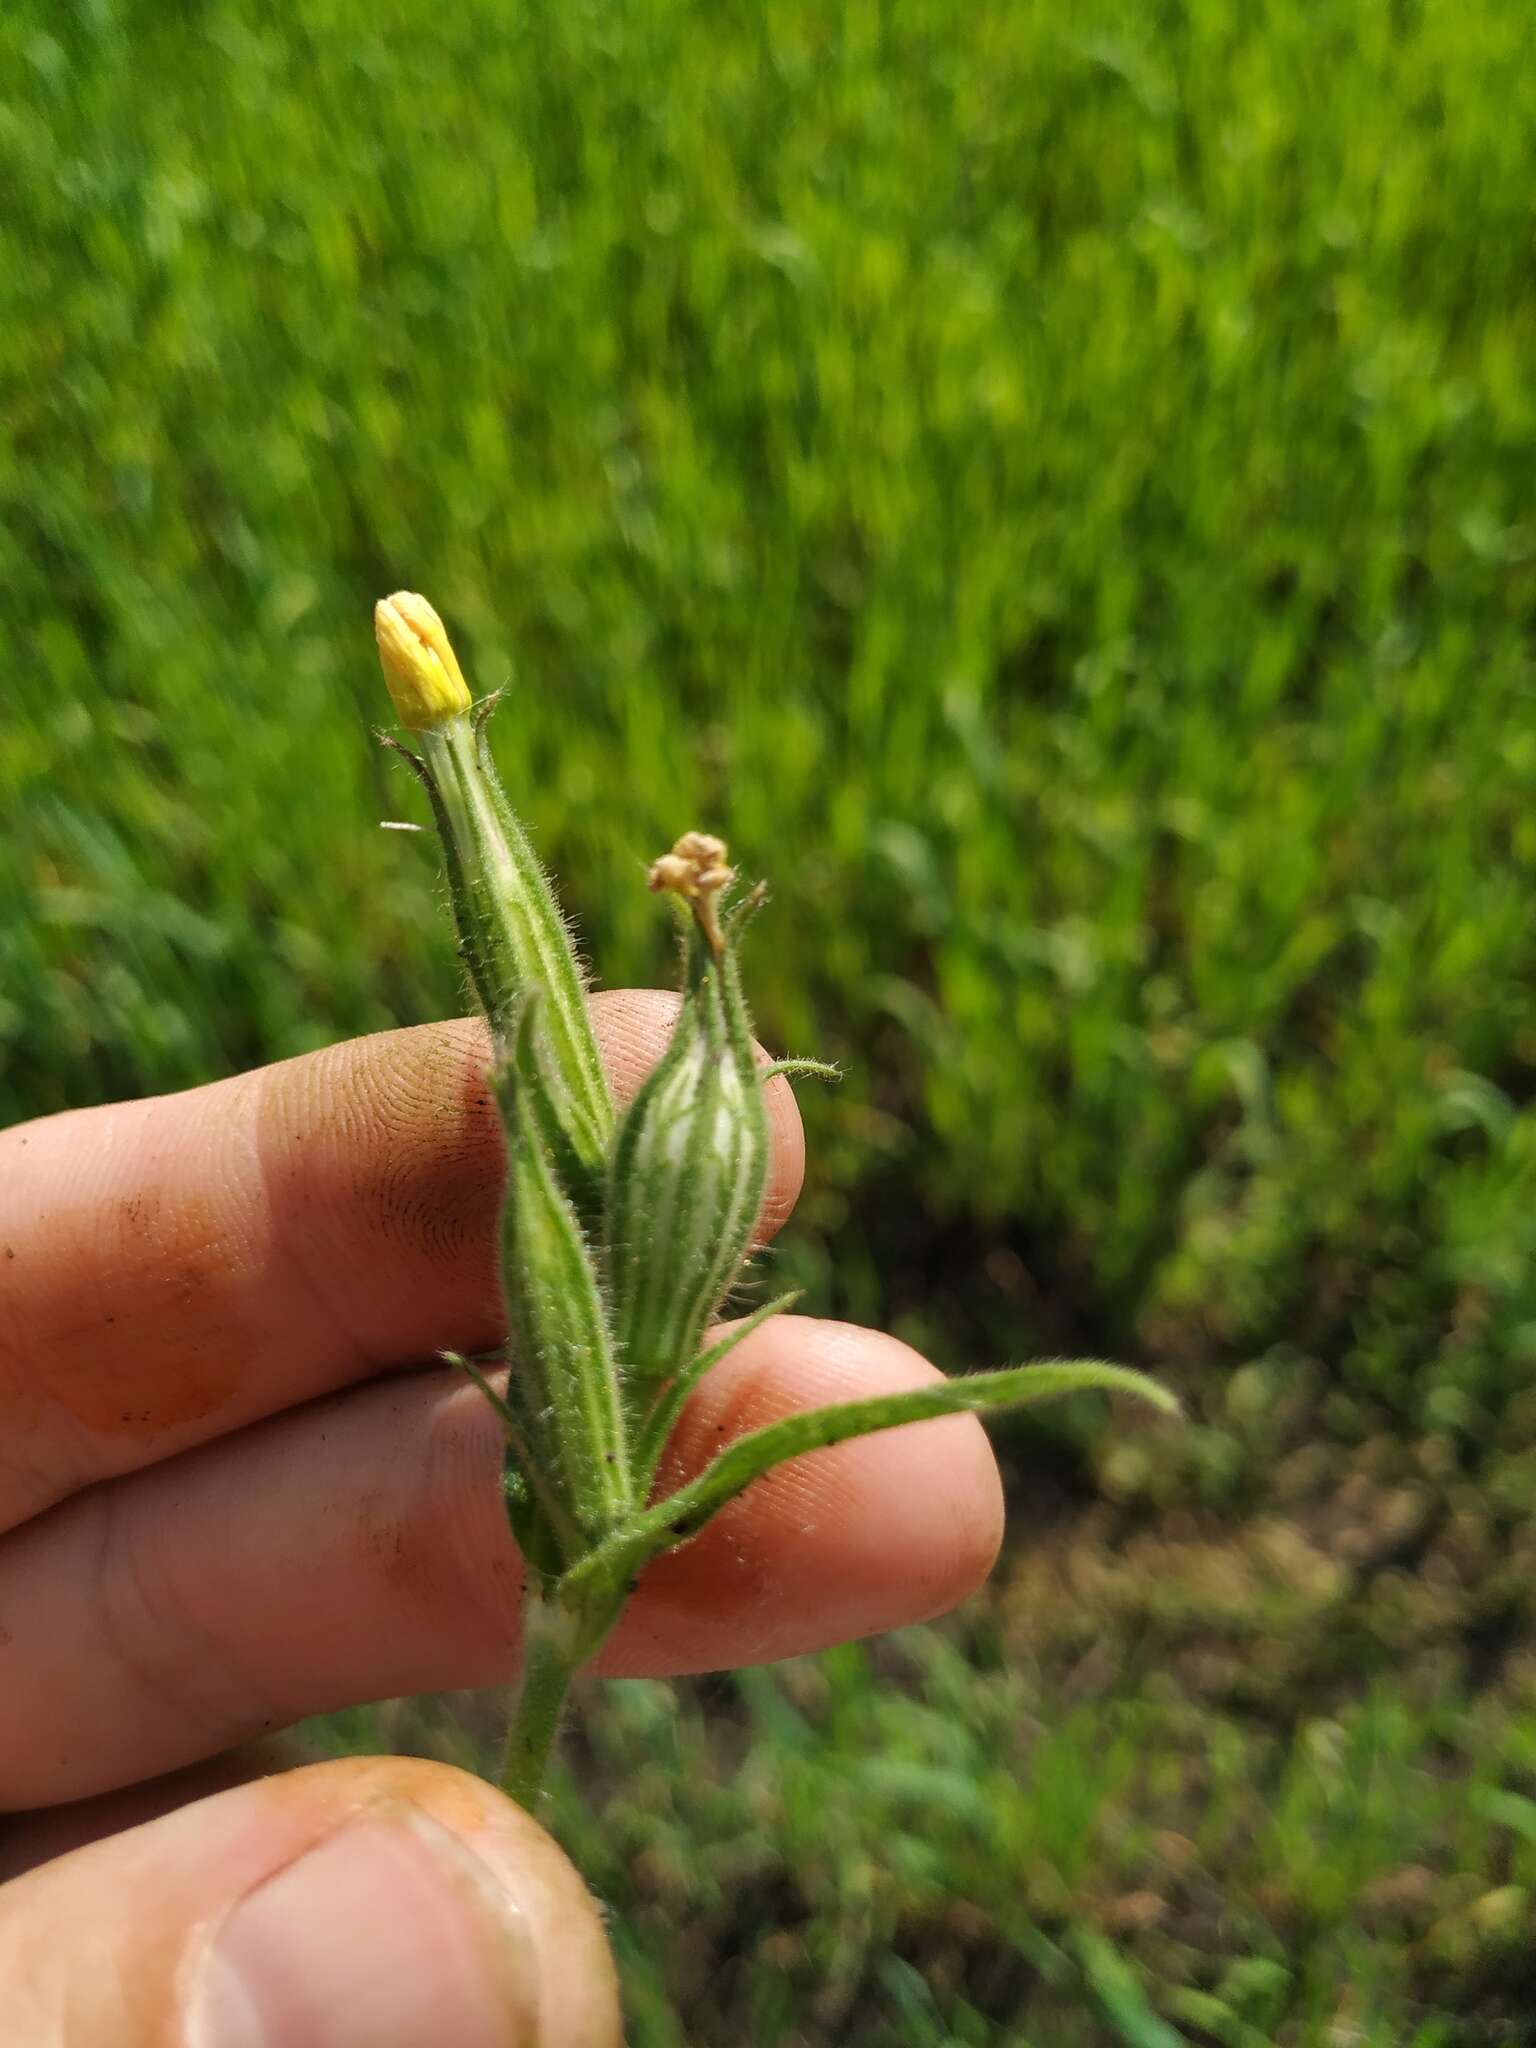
(690, 1158)
(513, 938)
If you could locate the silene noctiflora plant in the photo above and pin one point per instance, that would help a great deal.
(621, 1234)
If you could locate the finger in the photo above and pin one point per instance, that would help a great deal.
(377, 1900)
(357, 1550)
(30, 1839)
(172, 1270)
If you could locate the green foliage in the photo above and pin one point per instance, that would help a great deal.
(1052, 489)
(1052, 483)
(895, 1848)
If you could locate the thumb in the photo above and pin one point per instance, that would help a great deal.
(357, 1904)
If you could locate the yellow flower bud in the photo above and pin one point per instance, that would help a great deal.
(419, 664)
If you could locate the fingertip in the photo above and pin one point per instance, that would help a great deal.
(387, 1931)
(578, 1987)
(427, 1905)
(383, 1899)
(559, 1926)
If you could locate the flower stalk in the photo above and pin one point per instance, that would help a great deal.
(622, 1236)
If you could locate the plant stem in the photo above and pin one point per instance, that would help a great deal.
(549, 1664)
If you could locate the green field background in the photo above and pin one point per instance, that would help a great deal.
(1051, 481)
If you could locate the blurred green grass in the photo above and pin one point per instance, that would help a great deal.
(1052, 484)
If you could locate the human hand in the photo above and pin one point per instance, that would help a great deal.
(231, 1496)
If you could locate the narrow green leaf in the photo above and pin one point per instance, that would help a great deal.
(668, 1403)
(1117, 1990)
(541, 1528)
(684, 1513)
(545, 1535)
(818, 1070)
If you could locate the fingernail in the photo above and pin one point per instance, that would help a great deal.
(389, 1934)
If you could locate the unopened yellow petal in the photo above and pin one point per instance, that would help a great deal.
(419, 663)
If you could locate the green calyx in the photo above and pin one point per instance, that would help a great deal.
(686, 1180)
(514, 941)
(622, 1236)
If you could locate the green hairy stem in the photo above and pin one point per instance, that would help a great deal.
(621, 1237)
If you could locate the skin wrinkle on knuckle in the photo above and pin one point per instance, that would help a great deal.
(184, 1664)
(433, 1157)
(132, 1312)
(378, 1149)
(297, 1217)
(441, 1542)
(460, 1525)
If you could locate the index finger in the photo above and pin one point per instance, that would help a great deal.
(171, 1270)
